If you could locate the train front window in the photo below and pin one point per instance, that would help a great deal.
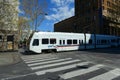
(35, 42)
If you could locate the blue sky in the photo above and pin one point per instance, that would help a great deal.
(57, 10)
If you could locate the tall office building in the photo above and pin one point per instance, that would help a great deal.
(93, 16)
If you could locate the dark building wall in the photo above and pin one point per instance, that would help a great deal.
(90, 14)
(66, 25)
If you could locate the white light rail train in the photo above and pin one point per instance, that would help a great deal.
(58, 41)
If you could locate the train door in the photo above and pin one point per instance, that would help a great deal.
(36, 46)
(62, 44)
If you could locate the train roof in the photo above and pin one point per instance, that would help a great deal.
(63, 33)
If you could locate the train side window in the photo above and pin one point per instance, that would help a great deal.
(60, 42)
(45, 41)
(35, 42)
(74, 41)
(52, 41)
(63, 41)
(79, 41)
(102, 41)
(98, 41)
(82, 42)
(90, 41)
(69, 41)
(113, 40)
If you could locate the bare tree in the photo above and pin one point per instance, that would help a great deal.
(34, 10)
(23, 28)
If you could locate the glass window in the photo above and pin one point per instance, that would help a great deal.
(80, 41)
(90, 41)
(74, 41)
(63, 41)
(60, 42)
(0, 38)
(10, 38)
(52, 41)
(35, 42)
(45, 41)
(69, 41)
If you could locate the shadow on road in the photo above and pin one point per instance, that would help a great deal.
(105, 50)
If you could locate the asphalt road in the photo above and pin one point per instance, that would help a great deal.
(99, 64)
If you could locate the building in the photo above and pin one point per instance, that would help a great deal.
(93, 16)
(8, 24)
(66, 25)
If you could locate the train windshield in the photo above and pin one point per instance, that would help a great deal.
(35, 42)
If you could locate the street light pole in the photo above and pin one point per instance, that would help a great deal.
(95, 31)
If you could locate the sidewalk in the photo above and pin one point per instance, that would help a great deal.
(7, 58)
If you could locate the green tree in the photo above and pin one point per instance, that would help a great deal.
(115, 12)
(8, 18)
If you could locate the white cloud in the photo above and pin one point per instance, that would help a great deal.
(61, 11)
(62, 2)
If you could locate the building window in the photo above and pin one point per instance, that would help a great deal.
(108, 3)
(35, 42)
(0, 38)
(103, 7)
(103, 1)
(45, 41)
(52, 41)
(10, 38)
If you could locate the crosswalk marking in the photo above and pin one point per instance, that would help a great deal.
(108, 75)
(40, 60)
(42, 65)
(37, 58)
(49, 62)
(56, 64)
(80, 72)
(61, 68)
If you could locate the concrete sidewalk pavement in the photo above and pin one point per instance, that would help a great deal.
(7, 58)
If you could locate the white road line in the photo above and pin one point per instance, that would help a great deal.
(61, 68)
(49, 62)
(55, 64)
(108, 75)
(80, 72)
(40, 60)
(37, 58)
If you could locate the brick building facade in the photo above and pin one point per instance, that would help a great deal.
(91, 16)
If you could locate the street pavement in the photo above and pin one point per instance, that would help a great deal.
(8, 58)
(76, 65)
